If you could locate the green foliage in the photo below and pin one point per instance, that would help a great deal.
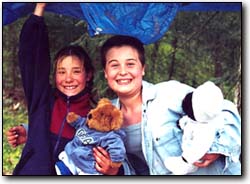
(11, 72)
(12, 115)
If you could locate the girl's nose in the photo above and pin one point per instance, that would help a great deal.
(68, 77)
(123, 70)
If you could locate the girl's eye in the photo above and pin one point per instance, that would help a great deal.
(114, 65)
(77, 71)
(131, 64)
(61, 72)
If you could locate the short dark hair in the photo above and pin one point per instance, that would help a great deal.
(121, 40)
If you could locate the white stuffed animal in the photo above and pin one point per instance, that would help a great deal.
(203, 108)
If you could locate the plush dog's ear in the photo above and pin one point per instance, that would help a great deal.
(117, 119)
(104, 101)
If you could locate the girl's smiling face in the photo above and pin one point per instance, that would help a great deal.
(70, 76)
(124, 70)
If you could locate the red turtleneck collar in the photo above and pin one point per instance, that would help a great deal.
(80, 104)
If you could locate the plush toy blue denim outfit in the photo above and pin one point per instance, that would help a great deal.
(80, 149)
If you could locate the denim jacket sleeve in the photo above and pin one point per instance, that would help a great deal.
(228, 137)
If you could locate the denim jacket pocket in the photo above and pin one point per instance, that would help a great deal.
(167, 141)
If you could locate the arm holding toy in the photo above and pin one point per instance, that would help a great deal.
(113, 143)
(103, 162)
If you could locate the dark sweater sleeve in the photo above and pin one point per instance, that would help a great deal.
(34, 61)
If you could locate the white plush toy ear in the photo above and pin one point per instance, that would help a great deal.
(207, 102)
(178, 166)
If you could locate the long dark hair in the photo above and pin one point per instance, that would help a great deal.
(79, 52)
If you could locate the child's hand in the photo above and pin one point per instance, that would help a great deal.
(103, 162)
(16, 135)
(115, 164)
(207, 159)
(39, 9)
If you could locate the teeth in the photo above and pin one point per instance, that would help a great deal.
(123, 81)
(70, 87)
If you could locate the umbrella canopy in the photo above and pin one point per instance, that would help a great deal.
(145, 21)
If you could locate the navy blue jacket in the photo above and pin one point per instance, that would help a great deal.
(34, 62)
(38, 157)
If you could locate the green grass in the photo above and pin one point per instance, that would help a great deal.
(11, 117)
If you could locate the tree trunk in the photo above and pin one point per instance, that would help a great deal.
(154, 58)
(171, 68)
(237, 93)
(13, 63)
(217, 63)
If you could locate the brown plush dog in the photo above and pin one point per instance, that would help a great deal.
(105, 117)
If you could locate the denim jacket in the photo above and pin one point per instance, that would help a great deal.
(161, 137)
